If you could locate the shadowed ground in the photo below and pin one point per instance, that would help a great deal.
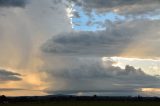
(70, 100)
(86, 103)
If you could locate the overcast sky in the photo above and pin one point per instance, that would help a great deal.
(81, 47)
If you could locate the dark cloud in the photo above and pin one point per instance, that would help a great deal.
(13, 3)
(110, 41)
(6, 75)
(96, 76)
(125, 7)
(113, 41)
(83, 43)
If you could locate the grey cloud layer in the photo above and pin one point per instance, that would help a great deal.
(87, 43)
(113, 41)
(110, 41)
(91, 75)
(6, 75)
(13, 3)
(125, 7)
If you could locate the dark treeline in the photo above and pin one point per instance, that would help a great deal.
(4, 99)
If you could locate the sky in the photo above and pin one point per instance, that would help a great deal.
(80, 47)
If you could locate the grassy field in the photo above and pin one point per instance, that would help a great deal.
(86, 103)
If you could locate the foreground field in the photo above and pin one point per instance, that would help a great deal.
(86, 103)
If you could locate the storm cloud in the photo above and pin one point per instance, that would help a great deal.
(42, 42)
(13, 3)
(6, 75)
(116, 39)
(137, 37)
(95, 75)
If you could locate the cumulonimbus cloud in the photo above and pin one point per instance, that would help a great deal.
(90, 75)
